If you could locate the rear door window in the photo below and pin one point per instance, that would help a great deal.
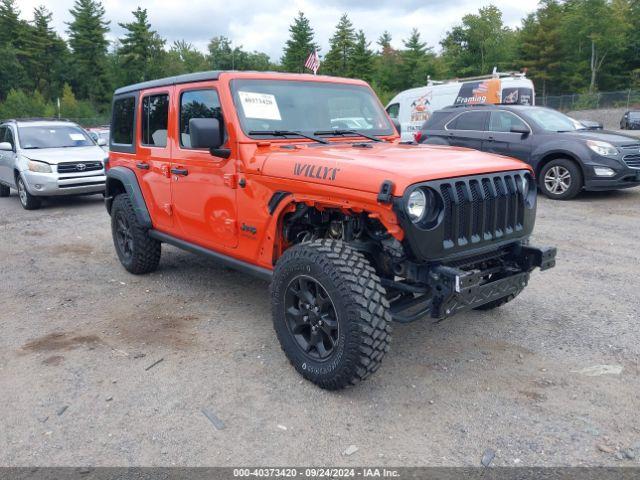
(155, 117)
(469, 121)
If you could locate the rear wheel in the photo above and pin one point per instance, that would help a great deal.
(561, 179)
(137, 251)
(4, 191)
(28, 201)
(330, 313)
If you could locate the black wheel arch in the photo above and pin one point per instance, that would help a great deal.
(124, 180)
(555, 155)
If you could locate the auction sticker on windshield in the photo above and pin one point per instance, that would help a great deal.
(262, 106)
(76, 137)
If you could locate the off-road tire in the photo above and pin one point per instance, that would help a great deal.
(497, 303)
(359, 302)
(4, 191)
(576, 179)
(144, 254)
(28, 201)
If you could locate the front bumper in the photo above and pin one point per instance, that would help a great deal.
(450, 289)
(627, 174)
(54, 184)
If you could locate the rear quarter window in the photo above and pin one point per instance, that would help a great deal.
(123, 124)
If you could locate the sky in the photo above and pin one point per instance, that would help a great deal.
(264, 25)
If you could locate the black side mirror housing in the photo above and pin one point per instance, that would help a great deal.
(521, 130)
(207, 133)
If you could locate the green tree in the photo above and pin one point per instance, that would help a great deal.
(12, 74)
(540, 46)
(480, 43)
(141, 49)
(341, 45)
(88, 42)
(362, 58)
(299, 45)
(182, 57)
(593, 38)
(386, 77)
(221, 54)
(46, 54)
(19, 104)
(11, 27)
(417, 61)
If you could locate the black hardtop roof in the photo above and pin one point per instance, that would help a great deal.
(163, 82)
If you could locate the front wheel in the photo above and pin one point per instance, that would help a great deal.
(28, 201)
(330, 313)
(561, 179)
(137, 251)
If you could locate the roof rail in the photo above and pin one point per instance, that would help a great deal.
(35, 119)
(494, 74)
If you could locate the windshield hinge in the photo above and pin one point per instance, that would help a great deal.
(231, 180)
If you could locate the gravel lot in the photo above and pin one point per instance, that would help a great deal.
(80, 336)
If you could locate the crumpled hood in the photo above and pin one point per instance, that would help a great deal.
(55, 156)
(360, 168)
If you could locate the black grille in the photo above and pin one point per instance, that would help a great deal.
(632, 160)
(481, 208)
(79, 167)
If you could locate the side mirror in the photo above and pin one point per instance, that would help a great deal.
(6, 147)
(522, 130)
(102, 142)
(397, 124)
(206, 133)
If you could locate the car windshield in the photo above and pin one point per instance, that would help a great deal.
(307, 107)
(548, 119)
(53, 136)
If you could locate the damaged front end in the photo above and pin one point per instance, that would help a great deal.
(467, 249)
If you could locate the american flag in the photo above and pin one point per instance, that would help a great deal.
(313, 62)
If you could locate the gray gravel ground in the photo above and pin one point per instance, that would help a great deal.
(78, 334)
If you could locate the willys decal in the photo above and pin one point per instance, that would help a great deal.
(315, 171)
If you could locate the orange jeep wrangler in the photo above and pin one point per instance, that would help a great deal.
(302, 181)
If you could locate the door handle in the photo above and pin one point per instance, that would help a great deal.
(142, 166)
(180, 171)
(490, 138)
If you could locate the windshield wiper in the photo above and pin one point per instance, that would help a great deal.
(286, 133)
(347, 132)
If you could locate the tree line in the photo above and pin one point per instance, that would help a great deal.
(570, 46)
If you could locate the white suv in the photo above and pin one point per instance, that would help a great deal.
(41, 158)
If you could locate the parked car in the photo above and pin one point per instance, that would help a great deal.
(411, 108)
(41, 158)
(100, 135)
(352, 228)
(566, 156)
(630, 120)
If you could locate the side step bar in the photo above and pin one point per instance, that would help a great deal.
(241, 266)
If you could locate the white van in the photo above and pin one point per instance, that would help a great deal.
(413, 107)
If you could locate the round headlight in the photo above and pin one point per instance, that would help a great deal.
(417, 205)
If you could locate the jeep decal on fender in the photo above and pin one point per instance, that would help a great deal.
(315, 171)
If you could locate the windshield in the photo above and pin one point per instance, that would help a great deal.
(548, 119)
(307, 107)
(53, 136)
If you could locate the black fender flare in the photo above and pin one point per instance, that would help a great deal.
(127, 178)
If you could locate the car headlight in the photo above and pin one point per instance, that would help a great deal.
(417, 205)
(602, 148)
(39, 167)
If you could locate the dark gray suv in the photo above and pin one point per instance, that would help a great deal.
(566, 157)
